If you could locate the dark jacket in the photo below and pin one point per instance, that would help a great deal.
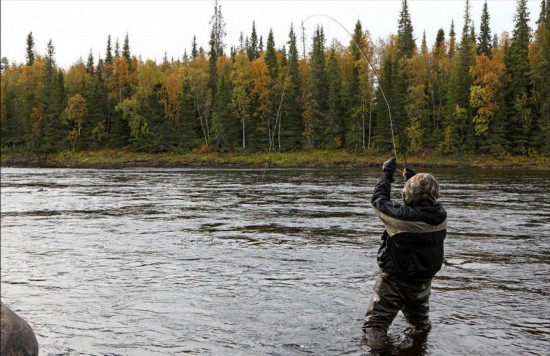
(412, 243)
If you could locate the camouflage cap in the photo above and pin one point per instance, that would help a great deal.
(421, 189)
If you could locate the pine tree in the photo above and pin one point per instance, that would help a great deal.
(30, 49)
(117, 48)
(485, 38)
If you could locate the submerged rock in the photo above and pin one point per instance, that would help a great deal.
(17, 336)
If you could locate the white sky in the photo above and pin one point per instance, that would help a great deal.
(156, 27)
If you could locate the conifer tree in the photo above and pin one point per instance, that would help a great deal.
(459, 115)
(217, 45)
(319, 88)
(271, 56)
(252, 49)
(520, 112)
(334, 129)
(90, 65)
(452, 40)
(30, 49)
(126, 48)
(544, 113)
(485, 38)
(406, 42)
(292, 133)
(353, 105)
(109, 53)
(117, 48)
(540, 78)
(194, 52)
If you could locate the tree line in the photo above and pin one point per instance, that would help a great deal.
(470, 92)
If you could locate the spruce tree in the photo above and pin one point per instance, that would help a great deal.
(541, 79)
(194, 51)
(90, 66)
(520, 126)
(252, 50)
(319, 88)
(126, 48)
(406, 43)
(484, 38)
(217, 34)
(334, 130)
(30, 49)
(452, 40)
(117, 48)
(291, 135)
(459, 114)
(271, 56)
(109, 52)
(351, 100)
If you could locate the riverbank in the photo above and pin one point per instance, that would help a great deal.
(122, 158)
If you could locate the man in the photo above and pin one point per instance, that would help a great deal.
(410, 255)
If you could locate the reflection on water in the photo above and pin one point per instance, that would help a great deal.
(171, 261)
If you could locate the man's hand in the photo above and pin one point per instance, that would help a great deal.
(390, 165)
(408, 173)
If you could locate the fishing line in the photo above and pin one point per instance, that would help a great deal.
(375, 75)
(279, 111)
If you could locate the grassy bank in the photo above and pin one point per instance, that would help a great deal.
(123, 158)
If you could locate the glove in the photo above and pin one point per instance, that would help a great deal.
(390, 165)
(408, 173)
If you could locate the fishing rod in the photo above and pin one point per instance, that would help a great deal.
(377, 79)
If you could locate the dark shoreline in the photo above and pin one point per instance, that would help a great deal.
(132, 160)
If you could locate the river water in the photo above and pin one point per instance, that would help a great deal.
(237, 262)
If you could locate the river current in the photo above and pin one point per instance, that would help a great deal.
(157, 261)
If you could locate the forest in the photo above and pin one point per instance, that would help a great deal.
(472, 91)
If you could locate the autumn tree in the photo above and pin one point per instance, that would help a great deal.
(75, 115)
(263, 110)
(489, 74)
(198, 74)
(240, 99)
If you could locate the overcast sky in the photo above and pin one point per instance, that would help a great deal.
(156, 27)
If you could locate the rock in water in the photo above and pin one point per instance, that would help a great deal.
(17, 336)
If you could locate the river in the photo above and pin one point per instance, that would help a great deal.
(147, 261)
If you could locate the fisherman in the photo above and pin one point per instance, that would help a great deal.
(410, 255)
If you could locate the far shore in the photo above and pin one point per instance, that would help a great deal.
(107, 158)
